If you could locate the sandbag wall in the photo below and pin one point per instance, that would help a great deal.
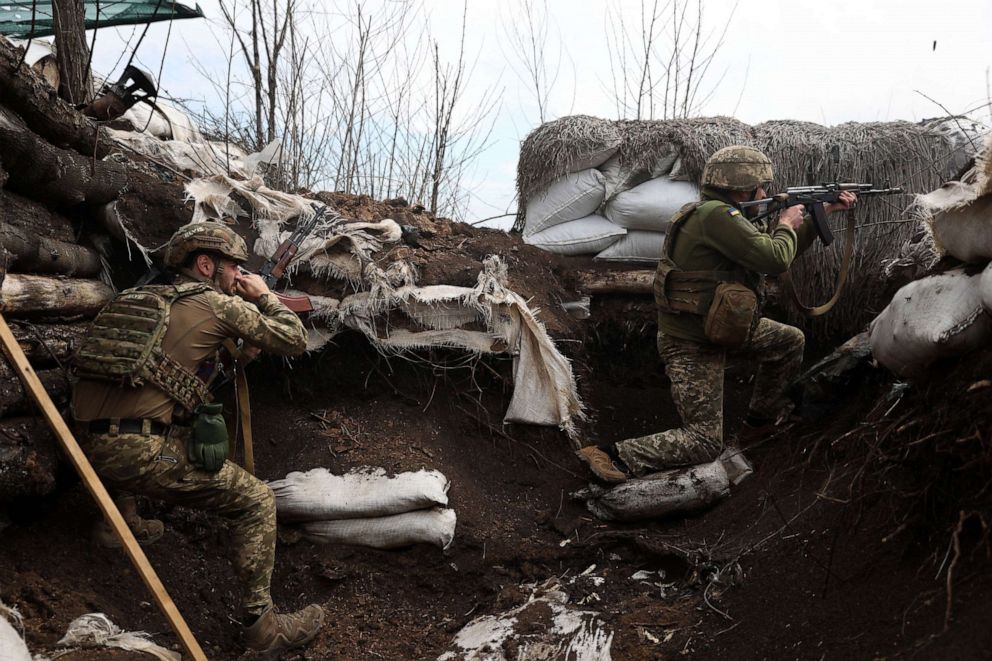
(948, 313)
(590, 186)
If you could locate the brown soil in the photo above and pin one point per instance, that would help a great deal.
(794, 565)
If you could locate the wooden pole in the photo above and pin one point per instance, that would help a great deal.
(616, 282)
(82, 465)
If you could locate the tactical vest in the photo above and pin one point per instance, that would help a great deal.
(728, 304)
(124, 345)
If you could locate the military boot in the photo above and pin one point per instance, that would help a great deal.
(602, 465)
(273, 633)
(146, 531)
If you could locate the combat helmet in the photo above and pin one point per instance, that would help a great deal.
(207, 235)
(737, 168)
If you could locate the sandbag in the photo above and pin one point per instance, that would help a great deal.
(574, 196)
(319, 495)
(928, 319)
(584, 236)
(434, 526)
(966, 232)
(636, 246)
(12, 646)
(669, 492)
(985, 288)
(619, 176)
(651, 205)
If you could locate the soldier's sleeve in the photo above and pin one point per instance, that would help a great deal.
(734, 236)
(266, 324)
(806, 234)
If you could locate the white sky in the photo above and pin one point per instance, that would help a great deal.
(815, 60)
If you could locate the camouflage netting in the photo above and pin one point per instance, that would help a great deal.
(916, 157)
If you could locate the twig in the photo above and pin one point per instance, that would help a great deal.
(956, 544)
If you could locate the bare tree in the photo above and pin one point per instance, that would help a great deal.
(528, 48)
(75, 85)
(659, 71)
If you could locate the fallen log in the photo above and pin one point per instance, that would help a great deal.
(40, 254)
(616, 282)
(23, 294)
(31, 97)
(58, 176)
(14, 400)
(48, 344)
(26, 216)
(28, 458)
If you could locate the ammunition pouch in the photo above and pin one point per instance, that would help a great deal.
(207, 449)
(731, 315)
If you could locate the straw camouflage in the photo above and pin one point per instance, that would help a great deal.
(696, 372)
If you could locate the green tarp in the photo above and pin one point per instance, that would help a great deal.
(16, 16)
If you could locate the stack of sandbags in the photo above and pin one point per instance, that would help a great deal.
(366, 507)
(947, 314)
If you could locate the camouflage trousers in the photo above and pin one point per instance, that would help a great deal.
(156, 467)
(696, 373)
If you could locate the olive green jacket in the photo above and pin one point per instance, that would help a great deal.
(718, 237)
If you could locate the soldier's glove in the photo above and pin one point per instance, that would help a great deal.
(207, 449)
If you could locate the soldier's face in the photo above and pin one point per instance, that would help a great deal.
(230, 273)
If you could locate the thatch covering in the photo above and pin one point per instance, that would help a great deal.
(558, 147)
(915, 157)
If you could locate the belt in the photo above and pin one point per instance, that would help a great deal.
(128, 426)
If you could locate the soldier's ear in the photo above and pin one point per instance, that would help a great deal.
(205, 264)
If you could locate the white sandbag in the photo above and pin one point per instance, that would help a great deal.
(965, 232)
(985, 288)
(651, 205)
(660, 494)
(435, 526)
(928, 319)
(319, 495)
(584, 236)
(636, 246)
(619, 177)
(12, 646)
(574, 196)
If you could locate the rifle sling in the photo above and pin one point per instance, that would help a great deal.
(244, 409)
(845, 267)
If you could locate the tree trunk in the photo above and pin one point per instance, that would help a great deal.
(73, 53)
(48, 344)
(36, 295)
(58, 176)
(39, 254)
(31, 98)
(28, 458)
(616, 282)
(13, 398)
(24, 215)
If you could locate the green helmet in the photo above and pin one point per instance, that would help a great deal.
(208, 235)
(737, 168)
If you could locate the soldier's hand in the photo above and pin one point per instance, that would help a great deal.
(792, 216)
(250, 286)
(846, 201)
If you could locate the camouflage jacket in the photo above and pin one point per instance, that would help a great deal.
(718, 237)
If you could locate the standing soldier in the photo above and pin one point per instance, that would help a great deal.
(707, 289)
(143, 406)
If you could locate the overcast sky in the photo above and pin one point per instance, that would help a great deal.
(824, 62)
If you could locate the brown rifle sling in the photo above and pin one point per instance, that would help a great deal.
(244, 409)
(845, 267)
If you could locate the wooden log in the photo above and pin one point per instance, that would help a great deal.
(23, 294)
(39, 254)
(616, 282)
(28, 458)
(46, 345)
(31, 97)
(20, 214)
(14, 400)
(58, 176)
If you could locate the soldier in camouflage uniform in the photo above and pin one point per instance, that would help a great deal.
(710, 243)
(142, 426)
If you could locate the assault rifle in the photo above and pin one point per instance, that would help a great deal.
(275, 265)
(813, 198)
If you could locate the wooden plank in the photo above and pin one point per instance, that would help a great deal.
(616, 282)
(82, 465)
